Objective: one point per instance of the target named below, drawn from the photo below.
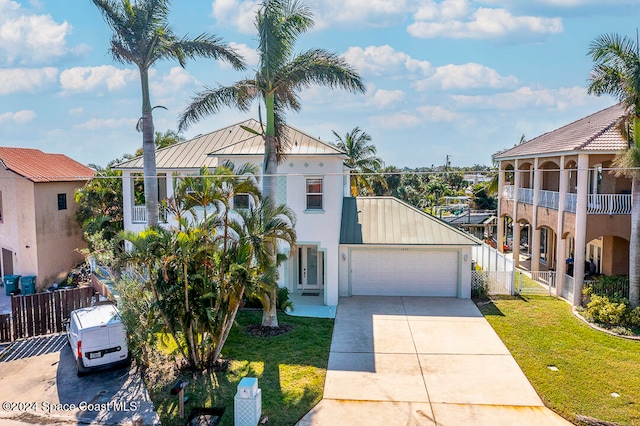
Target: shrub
(611, 313)
(283, 302)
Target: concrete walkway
(422, 361)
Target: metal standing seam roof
(203, 150)
(39, 167)
(596, 132)
(390, 221)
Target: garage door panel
(395, 272)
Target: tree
(142, 36)
(163, 140)
(616, 72)
(280, 76)
(361, 159)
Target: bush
(611, 313)
(283, 302)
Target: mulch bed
(259, 330)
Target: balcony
(139, 215)
(611, 204)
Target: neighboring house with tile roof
(571, 212)
(411, 250)
(38, 232)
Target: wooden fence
(42, 313)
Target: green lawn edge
(598, 375)
(291, 370)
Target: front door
(310, 268)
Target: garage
(390, 248)
(404, 272)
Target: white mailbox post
(247, 404)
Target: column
(535, 232)
(581, 227)
(500, 236)
(561, 247)
(516, 224)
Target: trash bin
(11, 284)
(28, 285)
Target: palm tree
(280, 76)
(266, 226)
(616, 72)
(142, 36)
(362, 159)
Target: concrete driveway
(38, 384)
(422, 361)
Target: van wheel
(81, 370)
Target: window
(241, 202)
(314, 194)
(62, 201)
(1, 220)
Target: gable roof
(596, 132)
(38, 166)
(388, 220)
(229, 141)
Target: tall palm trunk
(634, 243)
(149, 154)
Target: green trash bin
(28, 285)
(11, 284)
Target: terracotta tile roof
(229, 141)
(596, 132)
(38, 166)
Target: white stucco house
(346, 246)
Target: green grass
(542, 331)
(290, 368)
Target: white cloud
(76, 111)
(27, 38)
(467, 76)
(19, 80)
(527, 97)
(108, 123)
(437, 113)
(86, 79)
(249, 54)
(384, 60)
(459, 19)
(387, 98)
(19, 117)
(400, 120)
(240, 14)
(174, 82)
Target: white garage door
(397, 272)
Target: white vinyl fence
(496, 275)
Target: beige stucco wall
(17, 230)
(58, 234)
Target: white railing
(609, 204)
(568, 284)
(525, 195)
(571, 200)
(139, 215)
(549, 199)
(508, 192)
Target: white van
(97, 338)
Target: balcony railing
(611, 204)
(139, 215)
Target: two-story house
(38, 231)
(346, 246)
(562, 202)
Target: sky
(457, 78)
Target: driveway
(422, 361)
(38, 384)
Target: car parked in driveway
(97, 338)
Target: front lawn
(598, 375)
(290, 368)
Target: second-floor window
(1, 220)
(241, 202)
(62, 201)
(314, 193)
